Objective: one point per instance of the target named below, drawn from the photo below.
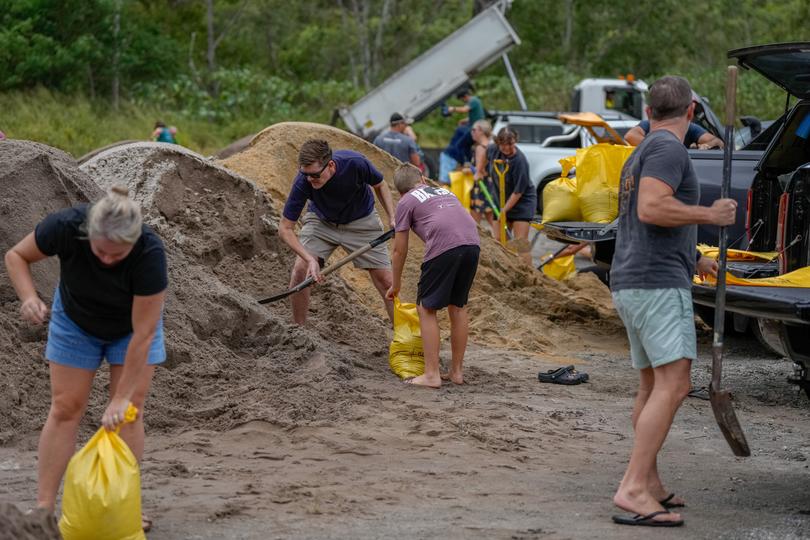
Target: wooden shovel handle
(731, 96)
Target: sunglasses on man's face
(316, 175)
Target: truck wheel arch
(541, 184)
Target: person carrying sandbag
(108, 304)
(452, 248)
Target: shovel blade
(727, 421)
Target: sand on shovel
(511, 305)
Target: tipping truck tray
(421, 85)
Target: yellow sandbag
(406, 356)
(102, 498)
(798, 278)
(461, 183)
(560, 202)
(567, 163)
(560, 268)
(599, 169)
(737, 254)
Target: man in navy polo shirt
(338, 186)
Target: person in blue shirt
(457, 153)
(163, 133)
(696, 136)
(339, 186)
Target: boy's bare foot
(423, 380)
(453, 377)
(643, 503)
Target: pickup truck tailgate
(791, 304)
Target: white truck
(419, 87)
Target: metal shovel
(331, 268)
(721, 399)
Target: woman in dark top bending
(108, 304)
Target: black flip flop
(700, 393)
(564, 375)
(647, 521)
(666, 504)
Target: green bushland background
(276, 61)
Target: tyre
(767, 333)
(540, 186)
(706, 314)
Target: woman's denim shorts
(69, 345)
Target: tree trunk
(91, 83)
(211, 50)
(385, 14)
(569, 28)
(116, 60)
(348, 30)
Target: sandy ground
(501, 457)
(258, 429)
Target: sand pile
(230, 360)
(510, 306)
(34, 180)
(38, 525)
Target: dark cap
(396, 118)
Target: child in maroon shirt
(451, 260)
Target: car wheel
(767, 333)
(706, 314)
(540, 186)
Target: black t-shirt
(517, 180)
(99, 299)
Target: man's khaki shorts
(321, 238)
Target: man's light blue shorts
(69, 345)
(660, 325)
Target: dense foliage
(230, 67)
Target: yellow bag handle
(130, 415)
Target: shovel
(721, 399)
(552, 257)
(501, 167)
(331, 268)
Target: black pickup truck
(771, 181)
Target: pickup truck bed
(782, 303)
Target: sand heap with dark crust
(230, 359)
(510, 306)
(34, 180)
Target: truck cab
(610, 97)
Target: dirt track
(504, 457)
